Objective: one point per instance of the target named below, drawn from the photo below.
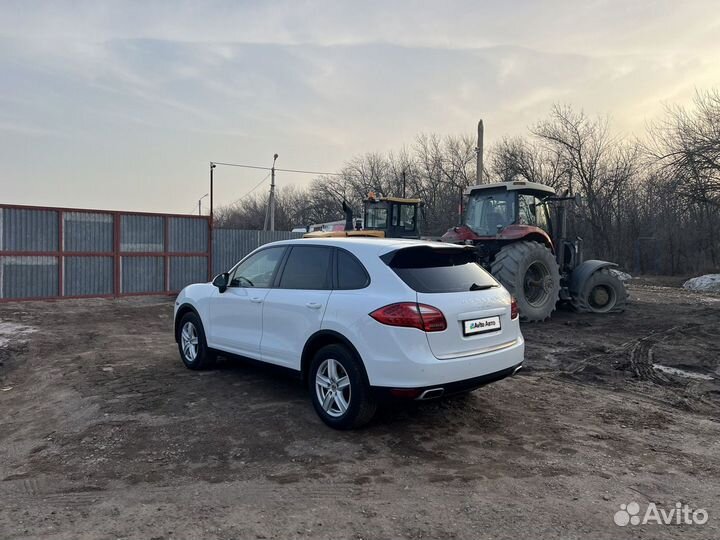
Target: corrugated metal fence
(71, 253)
(231, 245)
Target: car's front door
(294, 310)
(236, 314)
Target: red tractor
(519, 231)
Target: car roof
(363, 244)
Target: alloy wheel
(332, 386)
(189, 341)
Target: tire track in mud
(638, 354)
(636, 357)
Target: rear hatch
(476, 307)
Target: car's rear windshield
(439, 270)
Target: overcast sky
(121, 105)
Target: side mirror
(221, 281)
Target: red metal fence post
(60, 257)
(166, 253)
(209, 249)
(116, 254)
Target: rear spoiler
(388, 257)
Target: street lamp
(200, 205)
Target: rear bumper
(446, 389)
(393, 368)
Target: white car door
(294, 310)
(236, 314)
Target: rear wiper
(476, 287)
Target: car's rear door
(476, 307)
(294, 308)
(236, 314)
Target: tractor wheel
(529, 271)
(601, 293)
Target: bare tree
(597, 166)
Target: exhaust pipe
(516, 370)
(432, 393)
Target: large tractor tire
(529, 271)
(601, 293)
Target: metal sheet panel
(187, 235)
(28, 277)
(28, 230)
(87, 232)
(231, 245)
(87, 276)
(142, 233)
(187, 270)
(142, 274)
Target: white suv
(358, 319)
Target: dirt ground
(104, 434)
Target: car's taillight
(513, 309)
(411, 315)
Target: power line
(298, 171)
(253, 189)
(309, 172)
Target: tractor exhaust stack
(479, 152)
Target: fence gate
(74, 253)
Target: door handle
(256, 300)
(313, 305)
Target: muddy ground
(104, 434)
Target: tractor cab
(504, 212)
(396, 217)
(491, 208)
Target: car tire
(339, 389)
(192, 345)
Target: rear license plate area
(473, 327)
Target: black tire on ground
(601, 293)
(529, 264)
(360, 405)
(191, 327)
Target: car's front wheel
(339, 390)
(193, 348)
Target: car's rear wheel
(339, 389)
(194, 351)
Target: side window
(350, 272)
(258, 269)
(307, 267)
(526, 209)
(376, 218)
(407, 217)
(542, 217)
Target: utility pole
(270, 213)
(403, 191)
(212, 166)
(479, 151)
